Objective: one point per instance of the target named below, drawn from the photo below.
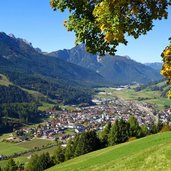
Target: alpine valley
(30, 78)
(60, 105)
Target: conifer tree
(35, 164)
(59, 155)
(119, 132)
(69, 152)
(134, 126)
(104, 134)
(11, 165)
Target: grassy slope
(35, 94)
(4, 80)
(149, 153)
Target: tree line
(25, 112)
(15, 114)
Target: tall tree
(144, 131)
(134, 126)
(11, 165)
(166, 69)
(59, 155)
(69, 151)
(119, 132)
(45, 160)
(35, 164)
(87, 142)
(104, 134)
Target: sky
(35, 21)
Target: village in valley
(64, 124)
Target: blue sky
(36, 22)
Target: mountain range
(115, 69)
(155, 65)
(28, 68)
(67, 75)
(18, 53)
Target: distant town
(64, 124)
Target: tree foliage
(105, 133)
(87, 142)
(119, 132)
(12, 94)
(134, 126)
(69, 150)
(35, 164)
(103, 24)
(11, 165)
(166, 69)
(40, 163)
(25, 112)
(59, 155)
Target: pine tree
(87, 142)
(134, 127)
(114, 133)
(123, 131)
(144, 131)
(119, 132)
(104, 134)
(59, 155)
(35, 163)
(11, 165)
(69, 152)
(45, 160)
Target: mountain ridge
(155, 65)
(115, 69)
(24, 56)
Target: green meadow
(145, 95)
(4, 80)
(12, 148)
(35, 143)
(9, 148)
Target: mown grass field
(152, 153)
(25, 158)
(11, 148)
(35, 143)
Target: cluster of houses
(95, 117)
